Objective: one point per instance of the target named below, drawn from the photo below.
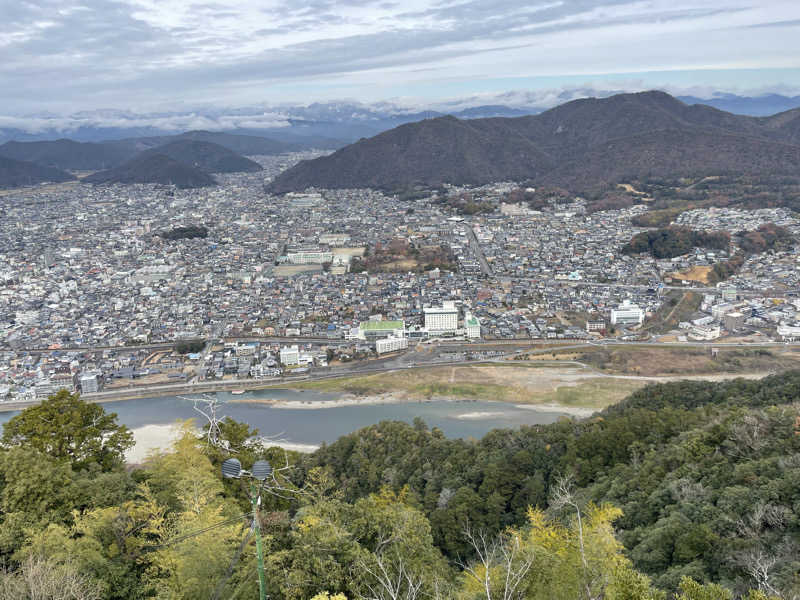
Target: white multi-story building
(245, 350)
(627, 314)
(334, 239)
(720, 310)
(304, 199)
(89, 383)
(442, 319)
(290, 355)
(704, 332)
(309, 257)
(595, 325)
(45, 388)
(391, 344)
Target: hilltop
(66, 154)
(154, 168)
(16, 173)
(241, 144)
(581, 144)
(432, 151)
(206, 156)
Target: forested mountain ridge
(67, 154)
(16, 173)
(154, 167)
(578, 145)
(692, 483)
(207, 156)
(239, 143)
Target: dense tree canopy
(669, 242)
(64, 426)
(686, 490)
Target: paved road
(478, 251)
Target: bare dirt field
(696, 273)
(289, 270)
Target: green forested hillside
(688, 490)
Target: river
(307, 427)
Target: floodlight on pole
(232, 469)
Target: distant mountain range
(16, 173)
(241, 144)
(91, 156)
(330, 125)
(578, 145)
(187, 161)
(67, 154)
(483, 142)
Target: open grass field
(648, 361)
(520, 384)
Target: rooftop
(381, 325)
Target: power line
(192, 534)
(236, 556)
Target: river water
(310, 426)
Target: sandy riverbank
(343, 400)
(400, 398)
(151, 438)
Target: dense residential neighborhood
(305, 278)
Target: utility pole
(255, 500)
(261, 470)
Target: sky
(65, 56)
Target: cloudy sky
(64, 55)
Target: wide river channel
(305, 425)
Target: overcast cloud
(63, 56)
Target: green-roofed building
(373, 330)
(472, 326)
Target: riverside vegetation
(687, 490)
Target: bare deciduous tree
(561, 496)
(759, 564)
(40, 579)
(390, 579)
(504, 554)
(759, 561)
